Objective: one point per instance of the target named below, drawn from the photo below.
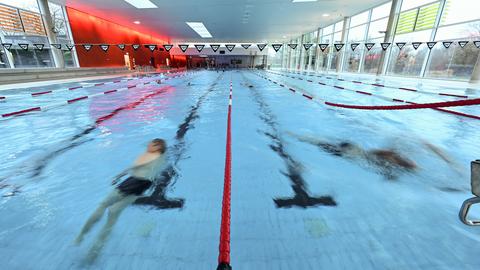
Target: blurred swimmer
(141, 176)
(387, 161)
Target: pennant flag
(276, 47)
(339, 46)
(199, 47)
(56, 46)
(152, 47)
(462, 43)
(323, 46)
(24, 46)
(385, 45)
(183, 47)
(246, 46)
(39, 46)
(400, 45)
(430, 45)
(261, 46)
(214, 47)
(416, 45)
(7, 46)
(104, 47)
(69, 46)
(369, 46)
(447, 44)
(121, 46)
(135, 46)
(354, 46)
(293, 46)
(168, 47)
(87, 47)
(307, 46)
(477, 44)
(230, 47)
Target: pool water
(295, 204)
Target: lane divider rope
(374, 84)
(70, 101)
(435, 106)
(224, 246)
(90, 85)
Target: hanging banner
(39, 46)
(385, 45)
(400, 45)
(151, 47)
(135, 46)
(292, 46)
(261, 46)
(277, 47)
(121, 46)
(246, 46)
(354, 46)
(431, 44)
(307, 46)
(87, 47)
(69, 46)
(7, 46)
(183, 47)
(477, 44)
(323, 46)
(24, 46)
(104, 47)
(369, 46)
(214, 47)
(339, 46)
(56, 46)
(447, 44)
(416, 45)
(230, 47)
(199, 47)
(462, 43)
(168, 47)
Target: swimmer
(141, 176)
(386, 160)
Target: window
(455, 62)
(409, 4)
(357, 33)
(328, 30)
(339, 26)
(359, 19)
(381, 11)
(408, 61)
(377, 29)
(30, 5)
(456, 11)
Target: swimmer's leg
(111, 199)
(113, 214)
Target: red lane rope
(413, 105)
(224, 247)
(22, 111)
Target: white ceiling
(227, 20)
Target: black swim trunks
(134, 186)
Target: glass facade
(21, 22)
(416, 21)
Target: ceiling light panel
(141, 3)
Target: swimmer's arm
(125, 172)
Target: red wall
(93, 30)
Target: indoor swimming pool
(313, 186)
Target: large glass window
(381, 11)
(408, 61)
(359, 19)
(456, 11)
(409, 4)
(353, 58)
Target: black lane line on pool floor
(302, 197)
(170, 175)
(45, 160)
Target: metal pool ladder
(463, 214)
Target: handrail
(475, 182)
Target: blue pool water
(294, 204)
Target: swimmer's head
(350, 149)
(157, 145)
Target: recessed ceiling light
(141, 3)
(136, 22)
(300, 1)
(326, 15)
(200, 29)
